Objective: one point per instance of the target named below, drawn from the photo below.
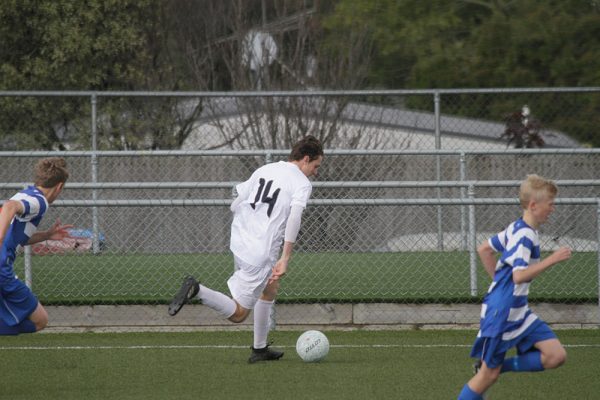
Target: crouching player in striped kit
(506, 320)
(20, 310)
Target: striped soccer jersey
(259, 220)
(22, 227)
(505, 310)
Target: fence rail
(331, 184)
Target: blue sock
(527, 362)
(468, 394)
(26, 326)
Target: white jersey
(259, 219)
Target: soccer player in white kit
(267, 214)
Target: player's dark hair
(51, 171)
(308, 146)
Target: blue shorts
(17, 302)
(493, 350)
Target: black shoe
(189, 289)
(264, 354)
(476, 367)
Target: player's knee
(239, 315)
(556, 358)
(41, 320)
(237, 319)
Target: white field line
(216, 346)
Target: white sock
(262, 310)
(219, 302)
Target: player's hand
(59, 231)
(279, 270)
(564, 253)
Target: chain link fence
(398, 249)
(412, 181)
(456, 119)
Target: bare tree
(270, 45)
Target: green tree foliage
(88, 45)
(195, 44)
(478, 43)
(61, 44)
(487, 43)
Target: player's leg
(245, 285)
(490, 353)
(25, 326)
(530, 361)
(20, 311)
(539, 349)
(223, 304)
(553, 354)
(481, 382)
(218, 301)
(262, 313)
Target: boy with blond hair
(20, 310)
(506, 319)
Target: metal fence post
(94, 161)
(28, 266)
(463, 215)
(472, 243)
(598, 253)
(438, 167)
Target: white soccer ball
(312, 346)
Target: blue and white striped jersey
(505, 310)
(21, 228)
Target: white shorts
(248, 282)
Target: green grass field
(212, 365)
(324, 277)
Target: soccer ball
(312, 346)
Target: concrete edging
(297, 316)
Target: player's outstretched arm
(527, 274)
(56, 232)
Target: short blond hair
(535, 187)
(50, 171)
